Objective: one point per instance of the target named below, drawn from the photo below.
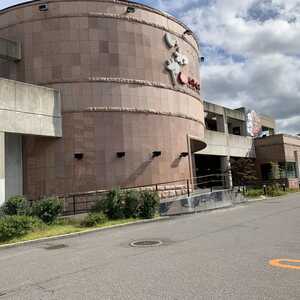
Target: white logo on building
(176, 63)
(253, 124)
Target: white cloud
(265, 37)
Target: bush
(131, 200)
(274, 191)
(17, 205)
(47, 209)
(129, 204)
(93, 219)
(112, 205)
(16, 226)
(100, 204)
(149, 204)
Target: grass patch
(293, 190)
(65, 226)
(271, 192)
(254, 193)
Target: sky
(252, 51)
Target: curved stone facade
(118, 93)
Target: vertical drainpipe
(2, 167)
(297, 160)
(190, 162)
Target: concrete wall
(224, 111)
(13, 165)
(29, 109)
(291, 144)
(267, 122)
(223, 144)
(278, 148)
(198, 202)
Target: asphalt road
(219, 255)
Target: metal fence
(77, 203)
(281, 183)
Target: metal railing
(281, 183)
(77, 203)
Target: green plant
(47, 209)
(131, 201)
(243, 171)
(254, 193)
(100, 204)
(112, 205)
(274, 191)
(149, 204)
(16, 226)
(17, 205)
(93, 219)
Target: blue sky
(252, 52)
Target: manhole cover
(55, 247)
(146, 243)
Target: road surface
(223, 254)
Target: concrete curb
(85, 232)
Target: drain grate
(146, 243)
(55, 247)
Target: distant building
(240, 133)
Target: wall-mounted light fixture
(188, 32)
(121, 154)
(156, 154)
(78, 156)
(184, 154)
(43, 7)
(130, 10)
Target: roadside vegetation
(20, 221)
(270, 191)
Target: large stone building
(110, 97)
(128, 76)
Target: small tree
(243, 170)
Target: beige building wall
(110, 67)
(278, 148)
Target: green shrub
(94, 219)
(132, 202)
(274, 191)
(100, 204)
(149, 204)
(112, 205)
(16, 226)
(47, 209)
(17, 205)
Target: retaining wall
(196, 203)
